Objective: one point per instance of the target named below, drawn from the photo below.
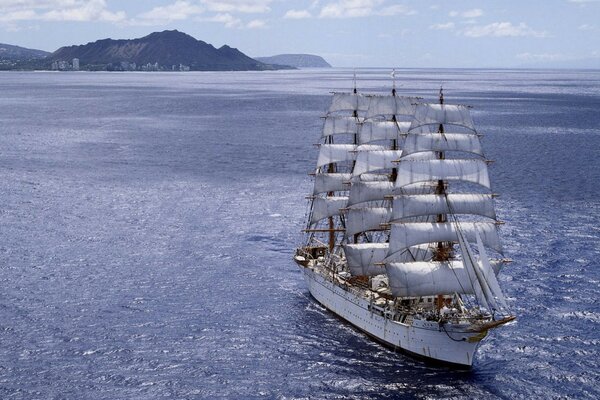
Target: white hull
(446, 344)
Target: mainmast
(444, 249)
(394, 173)
(331, 170)
(380, 138)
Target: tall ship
(402, 234)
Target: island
(169, 50)
(296, 60)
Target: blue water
(147, 223)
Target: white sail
(331, 182)
(324, 207)
(473, 271)
(489, 275)
(363, 257)
(368, 161)
(421, 252)
(464, 142)
(361, 192)
(333, 153)
(422, 129)
(371, 131)
(365, 219)
(415, 279)
(471, 170)
(348, 102)
(433, 204)
(388, 106)
(409, 234)
(374, 177)
(446, 114)
(335, 125)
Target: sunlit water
(147, 223)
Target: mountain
(296, 60)
(16, 53)
(162, 50)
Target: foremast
(337, 155)
(458, 213)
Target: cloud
(349, 8)
(473, 13)
(233, 22)
(542, 57)
(362, 8)
(238, 6)
(503, 29)
(228, 20)
(396, 10)
(297, 14)
(586, 27)
(180, 10)
(58, 10)
(256, 24)
(440, 27)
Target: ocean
(148, 220)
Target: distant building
(63, 65)
(151, 67)
(184, 68)
(76, 64)
(55, 66)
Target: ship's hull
(452, 345)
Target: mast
(355, 141)
(386, 123)
(331, 240)
(334, 166)
(443, 251)
(394, 141)
(431, 219)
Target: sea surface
(147, 224)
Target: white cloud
(473, 13)
(58, 10)
(228, 20)
(349, 8)
(256, 24)
(396, 10)
(542, 57)
(297, 14)
(239, 6)
(503, 29)
(177, 11)
(233, 22)
(440, 27)
(362, 8)
(586, 27)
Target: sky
(347, 33)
